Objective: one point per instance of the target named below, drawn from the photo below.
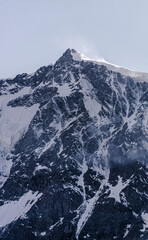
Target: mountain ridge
(81, 57)
(125, 71)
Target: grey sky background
(34, 33)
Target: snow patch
(14, 123)
(145, 219)
(5, 166)
(43, 234)
(64, 90)
(40, 167)
(91, 104)
(12, 211)
(84, 169)
(57, 223)
(127, 230)
(116, 190)
(14, 120)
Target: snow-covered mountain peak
(72, 54)
(73, 153)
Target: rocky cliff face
(74, 153)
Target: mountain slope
(73, 153)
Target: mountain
(74, 152)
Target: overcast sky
(34, 33)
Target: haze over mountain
(74, 152)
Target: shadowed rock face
(73, 153)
